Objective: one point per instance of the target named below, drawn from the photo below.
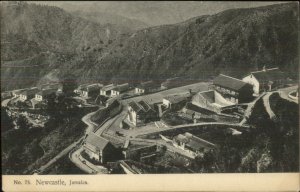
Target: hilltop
(127, 24)
(234, 42)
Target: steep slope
(156, 13)
(233, 42)
(36, 39)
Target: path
(155, 130)
(284, 93)
(84, 164)
(84, 102)
(57, 157)
(112, 124)
(169, 147)
(266, 101)
(75, 156)
(5, 102)
(91, 126)
(249, 109)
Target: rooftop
(268, 75)
(122, 87)
(145, 105)
(28, 92)
(197, 109)
(46, 92)
(92, 87)
(99, 143)
(148, 85)
(80, 87)
(229, 82)
(141, 105)
(208, 95)
(51, 86)
(173, 82)
(194, 142)
(108, 87)
(177, 98)
(19, 91)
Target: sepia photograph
(148, 87)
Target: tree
(22, 122)
(206, 162)
(69, 83)
(6, 121)
(51, 106)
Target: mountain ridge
(233, 42)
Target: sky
(156, 12)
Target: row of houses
(113, 90)
(38, 93)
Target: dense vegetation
(234, 42)
(269, 146)
(27, 148)
(276, 145)
(6, 121)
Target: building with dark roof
(41, 95)
(91, 90)
(107, 89)
(140, 113)
(192, 111)
(98, 148)
(119, 89)
(172, 101)
(265, 80)
(79, 89)
(17, 93)
(147, 87)
(53, 85)
(232, 89)
(188, 141)
(28, 94)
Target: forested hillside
(233, 42)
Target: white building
(172, 100)
(265, 80)
(140, 113)
(119, 89)
(98, 148)
(147, 87)
(91, 90)
(107, 89)
(41, 95)
(28, 94)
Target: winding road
(249, 109)
(266, 101)
(284, 93)
(5, 102)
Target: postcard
(150, 95)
